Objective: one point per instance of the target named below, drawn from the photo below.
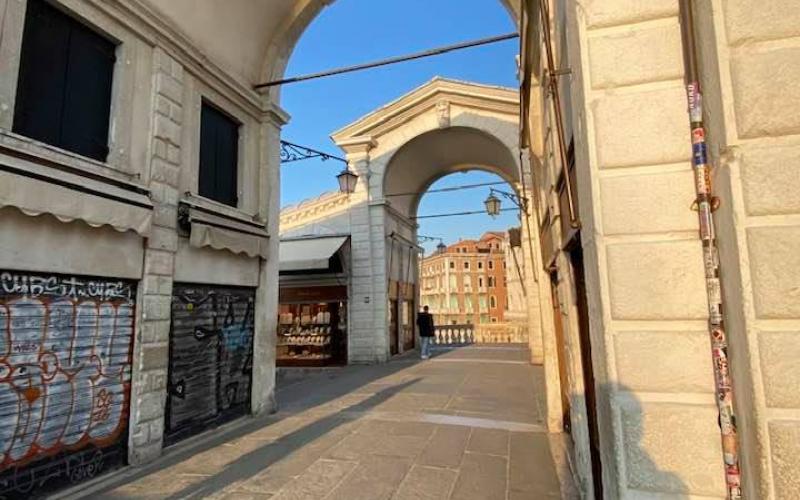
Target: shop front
(312, 313)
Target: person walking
(426, 332)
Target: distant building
(466, 282)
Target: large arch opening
(433, 155)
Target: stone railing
(494, 333)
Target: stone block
(779, 353)
(162, 171)
(658, 134)
(653, 203)
(163, 193)
(156, 307)
(660, 280)
(167, 130)
(159, 148)
(155, 331)
(174, 155)
(772, 19)
(140, 435)
(162, 238)
(766, 94)
(159, 262)
(165, 216)
(156, 285)
(785, 446)
(601, 13)
(154, 357)
(672, 448)
(664, 361)
(775, 271)
(771, 179)
(651, 53)
(169, 87)
(151, 406)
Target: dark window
(219, 156)
(64, 88)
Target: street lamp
(441, 247)
(493, 202)
(492, 205)
(347, 181)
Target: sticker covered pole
(705, 204)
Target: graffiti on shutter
(65, 371)
(211, 353)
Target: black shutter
(219, 152)
(87, 97)
(42, 73)
(208, 154)
(64, 88)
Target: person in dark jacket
(426, 331)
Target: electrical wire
(458, 214)
(392, 60)
(447, 189)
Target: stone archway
(439, 128)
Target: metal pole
(552, 79)
(392, 60)
(706, 203)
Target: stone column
(266, 313)
(366, 301)
(151, 347)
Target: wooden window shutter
(65, 79)
(219, 156)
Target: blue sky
(355, 31)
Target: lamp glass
(492, 205)
(347, 181)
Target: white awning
(309, 254)
(70, 198)
(221, 233)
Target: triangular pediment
(429, 98)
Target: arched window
(493, 302)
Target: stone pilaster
(151, 349)
(266, 313)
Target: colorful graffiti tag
(65, 365)
(211, 352)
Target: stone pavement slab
(465, 425)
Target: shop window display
(312, 334)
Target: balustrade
(494, 333)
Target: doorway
(561, 353)
(575, 252)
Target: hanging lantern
(492, 205)
(441, 247)
(347, 181)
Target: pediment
(436, 96)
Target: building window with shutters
(65, 77)
(219, 156)
(493, 302)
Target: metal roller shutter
(211, 352)
(65, 371)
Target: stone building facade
(115, 269)
(638, 349)
(466, 282)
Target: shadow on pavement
(250, 464)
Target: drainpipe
(705, 204)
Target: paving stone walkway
(466, 424)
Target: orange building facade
(466, 282)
